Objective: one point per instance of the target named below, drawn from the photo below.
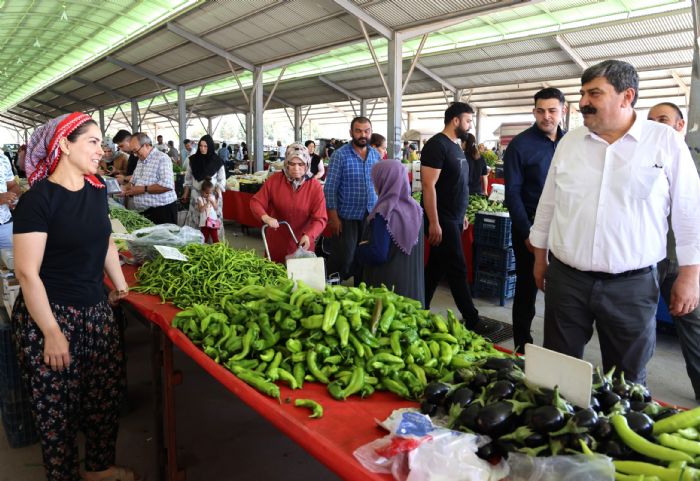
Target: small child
(207, 204)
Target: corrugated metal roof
(646, 28)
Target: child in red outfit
(209, 222)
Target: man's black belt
(604, 276)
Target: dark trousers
(447, 259)
(687, 327)
(623, 310)
(342, 257)
(525, 293)
(164, 214)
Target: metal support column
(182, 121)
(457, 96)
(477, 129)
(363, 108)
(692, 137)
(102, 121)
(249, 133)
(135, 124)
(258, 111)
(393, 137)
(210, 130)
(297, 124)
(567, 119)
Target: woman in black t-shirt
(66, 337)
(478, 173)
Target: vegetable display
(130, 219)
(479, 203)
(354, 339)
(212, 272)
(492, 397)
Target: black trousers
(525, 293)
(342, 257)
(623, 310)
(164, 214)
(447, 259)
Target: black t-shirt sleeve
(433, 154)
(32, 213)
(484, 169)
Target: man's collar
(635, 130)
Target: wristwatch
(145, 189)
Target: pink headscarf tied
(44, 152)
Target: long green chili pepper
(313, 367)
(643, 446)
(316, 408)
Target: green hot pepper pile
(646, 441)
(354, 339)
(480, 203)
(130, 219)
(212, 272)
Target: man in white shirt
(160, 145)
(603, 216)
(687, 326)
(9, 193)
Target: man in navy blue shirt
(350, 196)
(526, 163)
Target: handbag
(213, 223)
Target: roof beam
(32, 119)
(279, 100)
(436, 77)
(209, 46)
(340, 89)
(356, 11)
(50, 105)
(100, 86)
(72, 97)
(34, 111)
(681, 83)
(22, 123)
(141, 71)
(569, 50)
(224, 104)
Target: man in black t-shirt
(445, 177)
(122, 140)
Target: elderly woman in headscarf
(205, 164)
(64, 331)
(293, 197)
(391, 252)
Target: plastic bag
(300, 253)
(418, 451)
(164, 235)
(560, 468)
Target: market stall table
(345, 426)
(237, 208)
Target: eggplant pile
(492, 397)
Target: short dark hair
(187, 141)
(359, 120)
(308, 142)
(550, 93)
(456, 109)
(673, 106)
(121, 135)
(621, 75)
(143, 138)
(376, 140)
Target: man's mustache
(588, 110)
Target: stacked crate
(494, 258)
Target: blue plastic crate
(492, 230)
(18, 423)
(494, 285)
(495, 259)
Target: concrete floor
(220, 438)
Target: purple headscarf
(402, 213)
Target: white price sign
(171, 253)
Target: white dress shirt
(6, 175)
(604, 206)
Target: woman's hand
(270, 221)
(115, 296)
(56, 354)
(305, 242)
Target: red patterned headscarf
(44, 152)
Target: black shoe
(484, 327)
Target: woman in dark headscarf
(391, 252)
(204, 164)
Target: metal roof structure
(495, 53)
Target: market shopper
(688, 325)
(350, 197)
(160, 145)
(526, 162)
(445, 178)
(9, 193)
(205, 164)
(66, 337)
(293, 197)
(123, 140)
(391, 252)
(378, 142)
(317, 169)
(478, 172)
(151, 189)
(208, 205)
(602, 215)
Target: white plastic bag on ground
(560, 468)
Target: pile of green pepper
(354, 339)
(212, 272)
(131, 220)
